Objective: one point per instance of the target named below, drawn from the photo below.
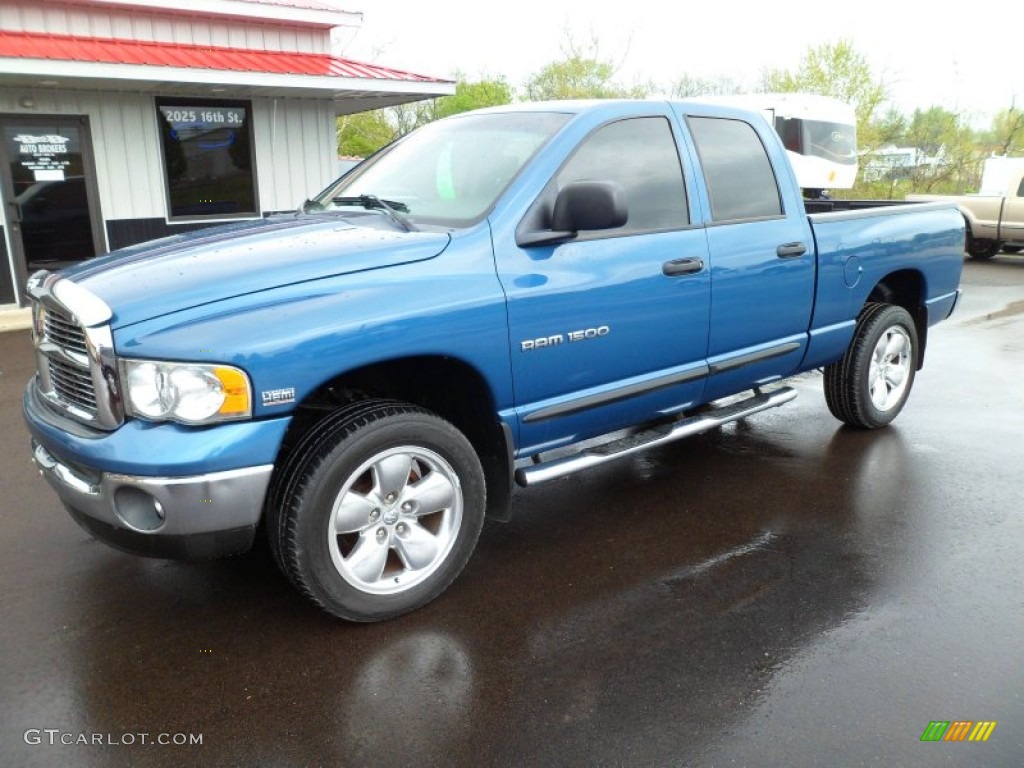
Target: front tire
(982, 248)
(870, 385)
(377, 510)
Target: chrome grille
(73, 386)
(67, 362)
(63, 332)
(75, 361)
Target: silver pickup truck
(994, 216)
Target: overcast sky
(963, 57)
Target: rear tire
(376, 510)
(870, 385)
(1013, 248)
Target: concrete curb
(15, 319)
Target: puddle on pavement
(1012, 309)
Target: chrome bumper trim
(64, 474)
(193, 504)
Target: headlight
(190, 393)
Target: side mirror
(589, 205)
(582, 205)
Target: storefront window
(208, 158)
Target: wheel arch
(970, 220)
(449, 387)
(971, 223)
(905, 288)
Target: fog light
(138, 510)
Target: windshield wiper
(391, 208)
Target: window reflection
(207, 152)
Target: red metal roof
(307, 5)
(31, 45)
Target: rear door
(761, 253)
(604, 331)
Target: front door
(611, 329)
(48, 188)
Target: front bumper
(162, 490)
(194, 517)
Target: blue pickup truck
(366, 379)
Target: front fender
(293, 339)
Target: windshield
(817, 138)
(833, 141)
(450, 172)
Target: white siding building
(126, 120)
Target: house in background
(127, 120)
(898, 163)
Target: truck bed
(829, 206)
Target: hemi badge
(278, 396)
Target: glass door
(49, 192)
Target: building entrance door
(48, 186)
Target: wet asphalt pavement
(780, 592)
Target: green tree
(950, 160)
(688, 87)
(836, 70)
(946, 156)
(581, 74)
(472, 95)
(890, 128)
(364, 133)
(1006, 136)
(930, 129)
(890, 131)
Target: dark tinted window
(739, 176)
(208, 162)
(789, 130)
(640, 154)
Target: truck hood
(164, 276)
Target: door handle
(790, 250)
(13, 212)
(686, 266)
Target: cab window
(740, 179)
(640, 154)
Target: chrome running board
(543, 471)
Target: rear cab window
(739, 176)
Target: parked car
(994, 216)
